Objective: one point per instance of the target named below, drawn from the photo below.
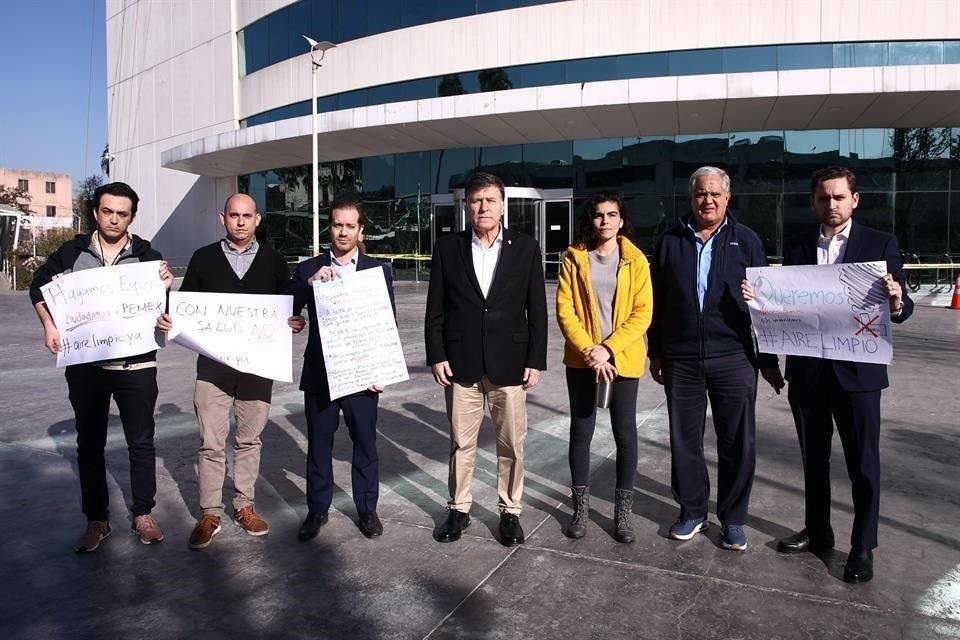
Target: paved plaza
(405, 585)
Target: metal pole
(316, 170)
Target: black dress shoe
(859, 567)
(369, 524)
(311, 525)
(803, 541)
(511, 533)
(451, 530)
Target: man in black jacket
(486, 340)
(132, 381)
(234, 264)
(823, 392)
(701, 346)
(347, 222)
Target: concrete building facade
(51, 194)
(561, 98)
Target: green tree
(83, 201)
(16, 198)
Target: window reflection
(652, 173)
(905, 53)
(863, 54)
(743, 59)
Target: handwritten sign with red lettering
(106, 313)
(248, 332)
(835, 312)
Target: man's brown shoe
(248, 520)
(147, 529)
(203, 533)
(96, 531)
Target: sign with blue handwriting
(245, 331)
(361, 344)
(835, 312)
(106, 313)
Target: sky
(46, 54)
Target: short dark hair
(118, 189)
(586, 235)
(832, 173)
(481, 180)
(349, 201)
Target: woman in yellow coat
(604, 306)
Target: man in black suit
(847, 392)
(347, 222)
(486, 340)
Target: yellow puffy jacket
(632, 309)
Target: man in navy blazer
(847, 392)
(486, 339)
(347, 222)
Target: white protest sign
(836, 312)
(361, 344)
(248, 332)
(106, 313)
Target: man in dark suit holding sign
(823, 392)
(486, 340)
(347, 222)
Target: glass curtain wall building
(909, 181)
(560, 98)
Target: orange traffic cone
(955, 303)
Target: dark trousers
(582, 391)
(135, 393)
(323, 418)
(857, 416)
(730, 383)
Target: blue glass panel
(922, 224)
(486, 6)
(592, 69)
(414, 12)
(597, 164)
(383, 15)
(323, 24)
(869, 154)
(804, 56)
(351, 20)
(278, 25)
(450, 168)
(298, 22)
(378, 177)
(744, 59)
(549, 164)
(685, 63)
(643, 65)
(448, 9)
(756, 161)
(537, 75)
(412, 174)
(922, 158)
(866, 54)
(648, 164)
(451, 85)
(691, 152)
(951, 52)
(903, 53)
(804, 153)
(254, 40)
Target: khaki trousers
(509, 413)
(218, 388)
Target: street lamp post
(322, 47)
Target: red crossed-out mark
(866, 326)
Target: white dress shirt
(485, 260)
(831, 251)
(347, 264)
